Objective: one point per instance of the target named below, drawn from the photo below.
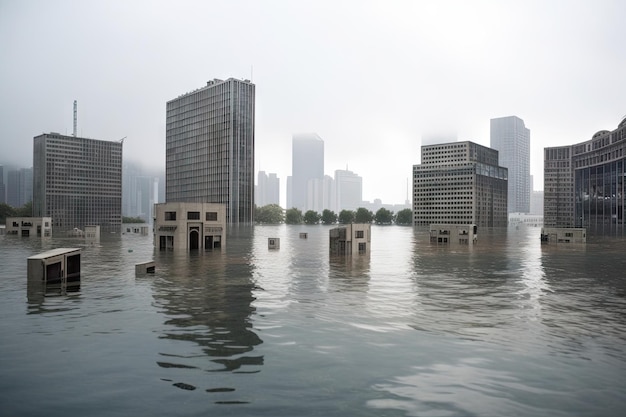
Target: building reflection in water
(207, 298)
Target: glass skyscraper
(511, 139)
(585, 183)
(210, 148)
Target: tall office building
(585, 183)
(307, 165)
(77, 182)
(19, 189)
(2, 189)
(460, 183)
(268, 189)
(511, 139)
(210, 148)
(348, 190)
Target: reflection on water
(507, 326)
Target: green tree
(25, 211)
(404, 217)
(329, 217)
(312, 217)
(6, 211)
(383, 216)
(363, 215)
(346, 216)
(293, 216)
(269, 214)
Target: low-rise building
(351, 239)
(453, 233)
(29, 226)
(564, 235)
(189, 226)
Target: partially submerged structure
(351, 239)
(189, 226)
(453, 233)
(29, 226)
(563, 235)
(56, 269)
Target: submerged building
(77, 182)
(189, 226)
(459, 183)
(584, 184)
(209, 156)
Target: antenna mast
(75, 116)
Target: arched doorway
(194, 239)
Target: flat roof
(54, 252)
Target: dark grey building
(77, 182)
(511, 138)
(585, 183)
(307, 166)
(19, 189)
(460, 183)
(209, 155)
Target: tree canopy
(404, 217)
(363, 215)
(269, 214)
(312, 217)
(383, 216)
(329, 217)
(9, 211)
(293, 216)
(346, 216)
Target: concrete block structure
(564, 235)
(55, 269)
(465, 234)
(351, 239)
(189, 226)
(29, 226)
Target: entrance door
(208, 242)
(194, 239)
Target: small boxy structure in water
(55, 269)
(273, 243)
(563, 235)
(351, 239)
(304, 235)
(145, 268)
(465, 234)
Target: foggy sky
(369, 77)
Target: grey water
(506, 327)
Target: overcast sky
(370, 77)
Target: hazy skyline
(369, 77)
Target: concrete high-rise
(2, 189)
(460, 183)
(210, 148)
(77, 182)
(19, 190)
(268, 189)
(348, 189)
(585, 184)
(307, 166)
(511, 138)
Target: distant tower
(307, 161)
(75, 117)
(511, 139)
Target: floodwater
(506, 327)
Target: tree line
(274, 214)
(9, 211)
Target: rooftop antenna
(75, 116)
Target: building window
(358, 234)
(211, 216)
(193, 215)
(170, 215)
